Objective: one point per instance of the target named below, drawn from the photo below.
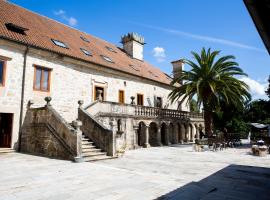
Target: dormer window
(15, 28)
(107, 58)
(134, 68)
(150, 72)
(86, 52)
(111, 49)
(59, 43)
(84, 39)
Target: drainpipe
(22, 96)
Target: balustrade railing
(166, 113)
(103, 107)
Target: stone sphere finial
(80, 102)
(77, 124)
(48, 100)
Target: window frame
(139, 94)
(42, 77)
(119, 97)
(95, 94)
(65, 46)
(86, 52)
(3, 73)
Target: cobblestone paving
(140, 174)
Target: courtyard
(161, 172)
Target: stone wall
(97, 132)
(45, 133)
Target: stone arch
(153, 136)
(164, 132)
(140, 139)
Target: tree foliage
(212, 81)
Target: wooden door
(121, 96)
(5, 129)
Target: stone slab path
(161, 172)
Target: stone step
(90, 150)
(92, 154)
(97, 158)
(88, 147)
(6, 150)
(87, 142)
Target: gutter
(22, 95)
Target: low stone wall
(97, 132)
(45, 132)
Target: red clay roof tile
(42, 29)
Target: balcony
(106, 108)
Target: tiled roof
(41, 30)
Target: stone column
(197, 133)
(146, 144)
(77, 124)
(159, 136)
(182, 133)
(187, 133)
(136, 135)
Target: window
(111, 49)
(84, 39)
(42, 79)
(99, 93)
(2, 72)
(121, 96)
(107, 58)
(159, 102)
(59, 43)
(150, 72)
(15, 28)
(86, 52)
(140, 99)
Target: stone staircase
(6, 150)
(90, 152)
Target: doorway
(6, 121)
(163, 134)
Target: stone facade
(136, 126)
(71, 80)
(46, 133)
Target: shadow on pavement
(235, 182)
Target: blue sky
(172, 29)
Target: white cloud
(202, 37)
(159, 54)
(257, 89)
(70, 20)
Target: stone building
(123, 100)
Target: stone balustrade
(105, 107)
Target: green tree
(193, 106)
(211, 80)
(268, 89)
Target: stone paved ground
(140, 174)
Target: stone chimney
(178, 67)
(133, 45)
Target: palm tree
(211, 81)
